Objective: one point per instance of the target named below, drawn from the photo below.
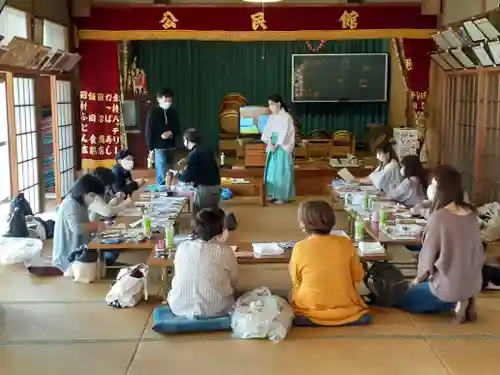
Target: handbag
(129, 287)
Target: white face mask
(431, 192)
(222, 238)
(165, 105)
(402, 171)
(128, 165)
(90, 198)
(273, 108)
(381, 157)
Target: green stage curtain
(202, 73)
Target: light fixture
(263, 1)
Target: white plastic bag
(19, 250)
(490, 221)
(83, 272)
(129, 287)
(259, 315)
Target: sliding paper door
(64, 147)
(26, 141)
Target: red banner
(416, 63)
(99, 103)
(249, 22)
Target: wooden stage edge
(310, 178)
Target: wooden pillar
(482, 90)
(11, 128)
(55, 137)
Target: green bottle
(359, 229)
(382, 217)
(366, 201)
(146, 223)
(169, 236)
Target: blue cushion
(164, 321)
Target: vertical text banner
(99, 104)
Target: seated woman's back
(324, 270)
(452, 254)
(206, 271)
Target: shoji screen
(65, 130)
(26, 140)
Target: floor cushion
(164, 321)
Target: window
(26, 140)
(4, 148)
(54, 35)
(13, 23)
(65, 128)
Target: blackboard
(360, 77)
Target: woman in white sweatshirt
(112, 203)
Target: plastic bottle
(359, 229)
(382, 217)
(366, 200)
(146, 222)
(169, 236)
(160, 248)
(222, 159)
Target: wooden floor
(54, 326)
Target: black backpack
(20, 202)
(17, 224)
(231, 222)
(386, 284)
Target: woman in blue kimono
(279, 135)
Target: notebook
(346, 176)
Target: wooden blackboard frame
(385, 99)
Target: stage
(311, 177)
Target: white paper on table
(263, 249)
(346, 176)
(370, 248)
(338, 232)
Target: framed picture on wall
(53, 59)
(39, 59)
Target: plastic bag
(81, 272)
(259, 315)
(19, 250)
(129, 288)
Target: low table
(236, 188)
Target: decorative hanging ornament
(316, 49)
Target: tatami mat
(53, 325)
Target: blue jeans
(419, 299)
(163, 162)
(302, 321)
(414, 247)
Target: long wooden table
(166, 264)
(148, 245)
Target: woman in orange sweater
(324, 269)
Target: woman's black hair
(106, 175)
(277, 98)
(387, 148)
(86, 184)
(413, 168)
(122, 154)
(192, 136)
(210, 223)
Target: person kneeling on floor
(450, 263)
(324, 269)
(206, 270)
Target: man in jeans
(162, 127)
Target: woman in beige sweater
(450, 263)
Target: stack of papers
(267, 249)
(370, 248)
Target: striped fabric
(205, 278)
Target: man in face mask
(162, 126)
(123, 178)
